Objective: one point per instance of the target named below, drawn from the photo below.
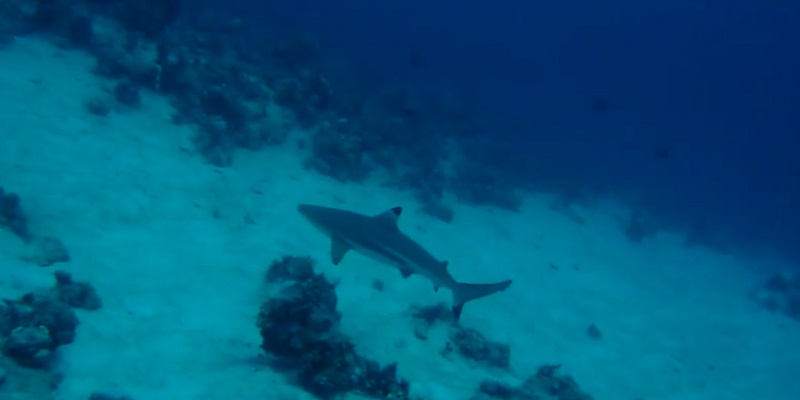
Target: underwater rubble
(300, 332)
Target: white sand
(181, 288)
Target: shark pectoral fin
(338, 249)
(390, 217)
(406, 272)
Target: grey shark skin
(379, 238)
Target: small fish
(379, 238)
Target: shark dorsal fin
(338, 249)
(390, 217)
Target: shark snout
(311, 213)
(305, 210)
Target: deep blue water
(713, 85)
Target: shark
(379, 238)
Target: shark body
(379, 238)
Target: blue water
(607, 184)
(713, 83)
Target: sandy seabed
(181, 286)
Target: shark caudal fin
(464, 292)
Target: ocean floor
(178, 249)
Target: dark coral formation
(300, 331)
(426, 317)
(44, 251)
(106, 396)
(594, 332)
(47, 251)
(76, 294)
(21, 382)
(546, 384)
(473, 345)
(13, 14)
(223, 90)
(339, 152)
(290, 269)
(780, 293)
(467, 342)
(34, 326)
(438, 210)
(149, 18)
(12, 216)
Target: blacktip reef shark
(379, 238)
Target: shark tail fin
(465, 292)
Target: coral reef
(241, 95)
(300, 331)
(339, 152)
(34, 327)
